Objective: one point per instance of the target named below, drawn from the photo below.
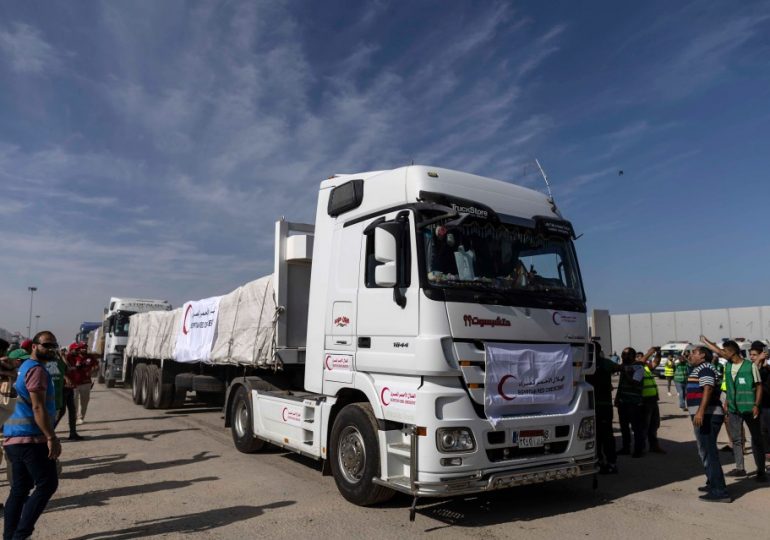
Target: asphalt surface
(143, 473)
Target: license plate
(532, 438)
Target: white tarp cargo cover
(244, 328)
(525, 378)
(195, 332)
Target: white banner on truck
(195, 335)
(523, 377)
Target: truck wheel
(162, 394)
(150, 374)
(355, 456)
(110, 383)
(136, 384)
(242, 422)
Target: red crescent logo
(500, 388)
(382, 396)
(283, 413)
(326, 362)
(555, 313)
(184, 321)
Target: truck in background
(115, 334)
(427, 335)
(85, 329)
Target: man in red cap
(81, 366)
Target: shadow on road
(104, 496)
(95, 460)
(186, 523)
(139, 435)
(138, 419)
(136, 465)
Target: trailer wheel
(242, 422)
(136, 384)
(100, 377)
(162, 394)
(355, 456)
(148, 378)
(110, 383)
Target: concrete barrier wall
(643, 330)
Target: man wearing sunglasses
(30, 443)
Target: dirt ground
(174, 474)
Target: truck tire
(136, 384)
(110, 383)
(208, 384)
(242, 422)
(148, 379)
(355, 456)
(161, 394)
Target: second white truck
(427, 334)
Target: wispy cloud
(27, 51)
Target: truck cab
(115, 330)
(421, 278)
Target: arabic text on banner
(195, 334)
(527, 378)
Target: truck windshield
(120, 324)
(513, 263)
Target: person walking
(681, 370)
(82, 366)
(68, 405)
(31, 445)
(706, 413)
(601, 380)
(668, 372)
(744, 399)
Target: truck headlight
(455, 439)
(586, 430)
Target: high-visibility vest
(740, 391)
(649, 386)
(22, 422)
(668, 369)
(681, 371)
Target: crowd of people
(43, 382)
(735, 393)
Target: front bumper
(490, 481)
(113, 367)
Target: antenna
(547, 185)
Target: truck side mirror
(385, 252)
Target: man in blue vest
(30, 442)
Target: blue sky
(146, 148)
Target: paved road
(176, 474)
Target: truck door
(340, 344)
(387, 324)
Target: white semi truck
(426, 335)
(115, 332)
